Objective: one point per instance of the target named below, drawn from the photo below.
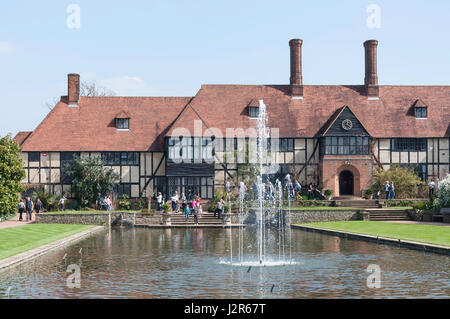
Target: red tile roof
(224, 106)
(90, 126)
(21, 137)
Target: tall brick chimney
(73, 88)
(296, 79)
(371, 78)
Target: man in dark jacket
(29, 207)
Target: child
(187, 212)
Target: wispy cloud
(6, 47)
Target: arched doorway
(346, 180)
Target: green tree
(90, 177)
(11, 174)
(407, 183)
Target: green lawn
(439, 235)
(15, 240)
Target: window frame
(123, 121)
(421, 112)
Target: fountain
(270, 232)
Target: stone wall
(312, 216)
(147, 219)
(309, 216)
(83, 219)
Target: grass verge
(438, 235)
(15, 240)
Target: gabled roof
(21, 137)
(334, 124)
(419, 103)
(91, 127)
(224, 106)
(122, 115)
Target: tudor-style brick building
(330, 135)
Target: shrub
(125, 203)
(444, 192)
(49, 200)
(165, 207)
(407, 183)
(369, 192)
(422, 205)
(328, 192)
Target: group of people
(103, 203)
(27, 206)
(293, 190)
(389, 189)
(187, 207)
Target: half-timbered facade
(330, 135)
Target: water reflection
(192, 263)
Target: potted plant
(328, 194)
(165, 207)
(369, 194)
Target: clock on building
(347, 124)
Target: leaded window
(409, 144)
(345, 145)
(123, 124)
(421, 112)
(253, 112)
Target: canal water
(195, 263)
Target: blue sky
(169, 48)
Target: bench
(437, 217)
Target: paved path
(14, 221)
(418, 223)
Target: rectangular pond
(194, 263)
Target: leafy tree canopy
(90, 177)
(11, 174)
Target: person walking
(174, 200)
(38, 206)
(21, 209)
(29, 208)
(61, 203)
(387, 189)
(310, 191)
(108, 202)
(298, 188)
(186, 212)
(159, 200)
(195, 211)
(392, 191)
(183, 201)
(219, 207)
(98, 201)
(431, 187)
(222, 207)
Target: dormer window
(122, 121)
(420, 110)
(253, 108)
(123, 124)
(253, 111)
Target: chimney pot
(371, 77)
(73, 88)
(296, 79)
